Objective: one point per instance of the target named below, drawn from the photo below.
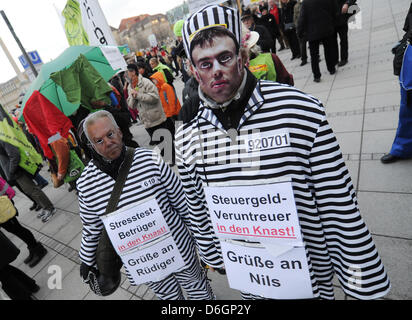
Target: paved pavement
(362, 103)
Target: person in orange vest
(170, 102)
(171, 105)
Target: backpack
(7, 209)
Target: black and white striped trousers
(193, 280)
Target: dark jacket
(265, 41)
(287, 12)
(399, 50)
(317, 19)
(9, 161)
(269, 22)
(191, 101)
(408, 25)
(342, 19)
(190, 89)
(111, 168)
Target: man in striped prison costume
(148, 176)
(210, 149)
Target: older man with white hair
(149, 227)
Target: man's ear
(244, 56)
(241, 61)
(194, 72)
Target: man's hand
(134, 93)
(345, 8)
(84, 272)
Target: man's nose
(217, 69)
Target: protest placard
(263, 212)
(153, 262)
(135, 225)
(255, 270)
(114, 57)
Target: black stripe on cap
(205, 18)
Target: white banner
(255, 270)
(95, 24)
(154, 262)
(114, 57)
(260, 213)
(135, 225)
(84, 23)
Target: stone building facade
(10, 92)
(135, 31)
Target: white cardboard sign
(154, 262)
(114, 57)
(257, 271)
(261, 213)
(135, 225)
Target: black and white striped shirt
(95, 188)
(336, 238)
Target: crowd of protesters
(298, 24)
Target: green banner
(73, 26)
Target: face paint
(218, 69)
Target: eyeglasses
(111, 135)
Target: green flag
(82, 83)
(73, 26)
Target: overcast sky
(38, 27)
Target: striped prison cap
(209, 17)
